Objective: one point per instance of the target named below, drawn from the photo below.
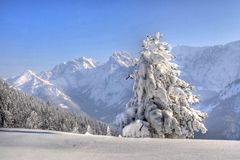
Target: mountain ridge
(101, 90)
(30, 83)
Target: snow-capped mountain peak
(122, 58)
(74, 65)
(29, 72)
(86, 63)
(28, 77)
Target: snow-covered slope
(30, 83)
(224, 118)
(38, 144)
(230, 90)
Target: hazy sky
(38, 34)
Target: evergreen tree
(76, 128)
(162, 102)
(89, 130)
(33, 121)
(109, 132)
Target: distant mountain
(224, 118)
(215, 72)
(209, 68)
(67, 74)
(30, 83)
(102, 91)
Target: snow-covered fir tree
(33, 121)
(76, 128)
(162, 102)
(109, 132)
(89, 130)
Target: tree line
(17, 110)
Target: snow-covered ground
(23, 144)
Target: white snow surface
(25, 144)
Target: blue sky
(38, 34)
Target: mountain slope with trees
(17, 110)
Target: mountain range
(102, 91)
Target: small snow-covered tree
(161, 106)
(75, 128)
(8, 119)
(33, 121)
(89, 130)
(109, 132)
